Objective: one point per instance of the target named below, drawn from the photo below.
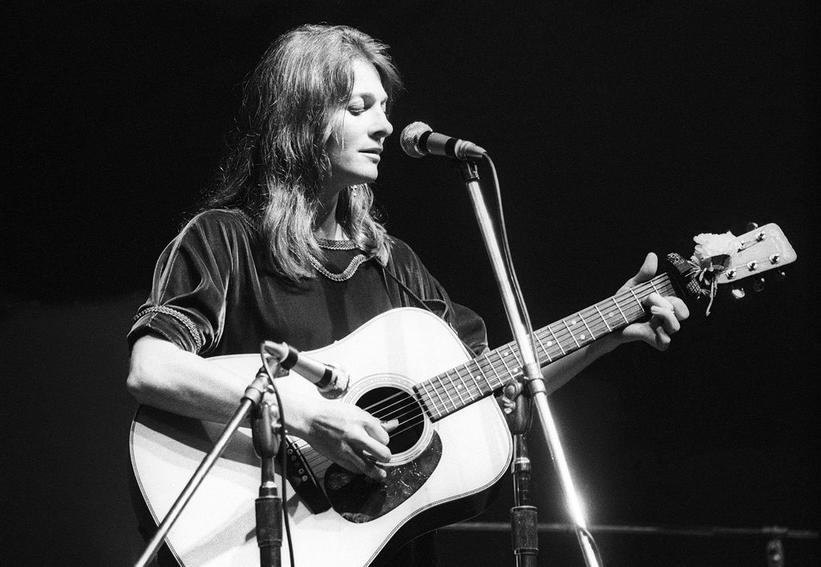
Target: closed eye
(360, 104)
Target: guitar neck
(461, 386)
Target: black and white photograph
(410, 284)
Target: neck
(485, 374)
(327, 226)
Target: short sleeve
(188, 292)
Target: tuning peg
(758, 284)
(751, 226)
(780, 275)
(738, 293)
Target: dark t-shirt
(215, 292)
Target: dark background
(617, 128)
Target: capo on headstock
(727, 259)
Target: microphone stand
(523, 515)
(268, 506)
(524, 520)
(254, 397)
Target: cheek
(335, 134)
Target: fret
(516, 357)
(636, 297)
(606, 324)
(653, 284)
(438, 395)
(447, 393)
(470, 389)
(592, 335)
(502, 358)
(458, 386)
(430, 403)
(571, 332)
(474, 389)
(475, 381)
(464, 385)
(493, 367)
(541, 345)
(481, 371)
(616, 303)
(556, 340)
(509, 350)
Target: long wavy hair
(277, 159)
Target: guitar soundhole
(388, 403)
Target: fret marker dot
(581, 336)
(549, 343)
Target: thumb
(647, 270)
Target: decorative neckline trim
(329, 244)
(345, 274)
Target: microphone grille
(409, 139)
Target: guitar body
(441, 474)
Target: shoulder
(211, 219)
(214, 234)
(405, 264)
(218, 225)
(401, 253)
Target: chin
(356, 176)
(368, 176)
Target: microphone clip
(330, 381)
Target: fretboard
(470, 382)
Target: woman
(287, 249)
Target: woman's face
(359, 131)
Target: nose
(382, 127)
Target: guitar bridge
(303, 481)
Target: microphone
(329, 380)
(418, 140)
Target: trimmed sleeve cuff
(170, 323)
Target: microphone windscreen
(409, 139)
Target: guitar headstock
(726, 259)
(760, 250)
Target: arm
(665, 316)
(164, 376)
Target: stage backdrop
(617, 128)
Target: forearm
(164, 376)
(559, 373)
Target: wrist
(298, 417)
(608, 343)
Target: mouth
(372, 152)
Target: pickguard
(360, 499)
